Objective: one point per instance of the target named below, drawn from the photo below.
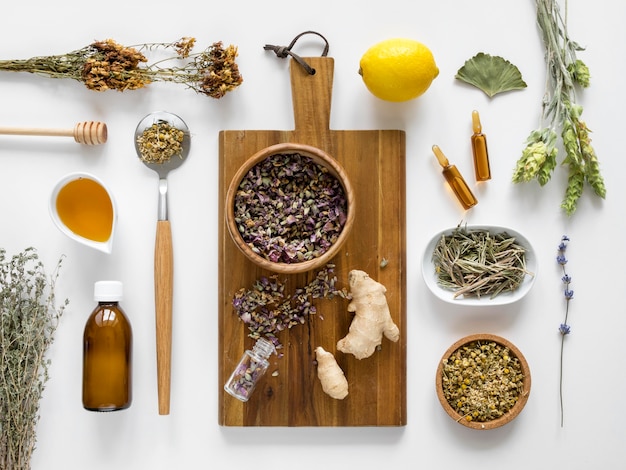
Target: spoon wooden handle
(87, 132)
(163, 287)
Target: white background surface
(71, 438)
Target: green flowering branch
(560, 113)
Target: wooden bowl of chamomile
(483, 381)
(290, 208)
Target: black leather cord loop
(283, 52)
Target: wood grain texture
(375, 163)
(163, 288)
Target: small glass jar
(250, 369)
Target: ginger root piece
(372, 317)
(331, 376)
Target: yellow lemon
(398, 69)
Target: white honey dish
(103, 246)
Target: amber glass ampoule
(455, 180)
(479, 150)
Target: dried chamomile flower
(160, 142)
(482, 380)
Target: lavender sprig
(568, 293)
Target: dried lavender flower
(290, 209)
(568, 293)
(267, 309)
(28, 321)
(107, 65)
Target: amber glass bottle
(479, 150)
(107, 352)
(455, 180)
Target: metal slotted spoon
(163, 254)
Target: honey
(85, 208)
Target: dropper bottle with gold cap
(455, 180)
(479, 150)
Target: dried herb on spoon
(478, 263)
(160, 142)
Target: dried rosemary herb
(160, 142)
(477, 263)
(28, 320)
(482, 381)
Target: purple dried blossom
(290, 209)
(267, 310)
(564, 328)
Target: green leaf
(491, 74)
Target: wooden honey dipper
(88, 132)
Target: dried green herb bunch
(107, 65)
(560, 113)
(482, 380)
(28, 320)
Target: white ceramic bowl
(104, 246)
(447, 295)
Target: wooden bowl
(319, 157)
(513, 411)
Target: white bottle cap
(108, 291)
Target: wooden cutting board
(290, 393)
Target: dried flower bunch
(561, 113)
(478, 263)
(28, 320)
(160, 142)
(568, 293)
(267, 309)
(482, 380)
(290, 209)
(107, 65)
